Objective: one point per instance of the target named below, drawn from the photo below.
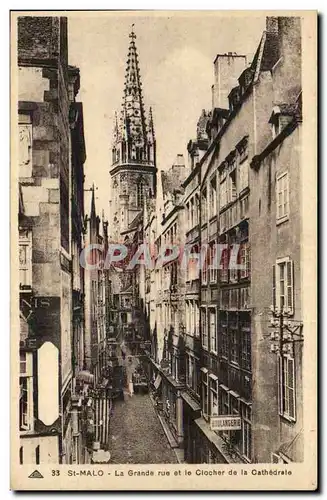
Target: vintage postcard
(163, 250)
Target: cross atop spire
(132, 34)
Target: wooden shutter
(280, 385)
(289, 285)
(291, 387)
(274, 286)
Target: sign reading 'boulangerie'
(225, 423)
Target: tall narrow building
(133, 171)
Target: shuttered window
(283, 285)
(282, 196)
(287, 402)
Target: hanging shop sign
(225, 423)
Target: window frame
(288, 284)
(281, 217)
(25, 240)
(212, 310)
(204, 327)
(205, 388)
(213, 388)
(285, 391)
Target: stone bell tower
(133, 170)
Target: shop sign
(225, 423)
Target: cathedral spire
(93, 212)
(132, 119)
(151, 126)
(133, 137)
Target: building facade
(241, 364)
(51, 158)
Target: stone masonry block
(50, 183)
(40, 157)
(54, 195)
(43, 133)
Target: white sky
(176, 57)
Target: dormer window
(275, 122)
(234, 98)
(281, 116)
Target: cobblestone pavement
(136, 435)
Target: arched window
(140, 193)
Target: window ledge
(281, 220)
(287, 418)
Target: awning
(157, 382)
(85, 376)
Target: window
(233, 301)
(191, 214)
(234, 338)
(224, 265)
(223, 336)
(192, 374)
(232, 192)
(246, 347)
(204, 208)
(204, 263)
(282, 194)
(224, 299)
(245, 298)
(233, 273)
(196, 207)
(213, 265)
(223, 193)
(244, 207)
(175, 372)
(26, 392)
(243, 175)
(213, 198)
(191, 313)
(245, 260)
(246, 430)
(283, 288)
(205, 395)
(140, 194)
(286, 387)
(213, 395)
(213, 330)
(204, 327)
(25, 260)
(25, 145)
(187, 317)
(197, 319)
(222, 222)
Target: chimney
(272, 24)
(227, 68)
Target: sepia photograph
(163, 185)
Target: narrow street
(136, 436)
